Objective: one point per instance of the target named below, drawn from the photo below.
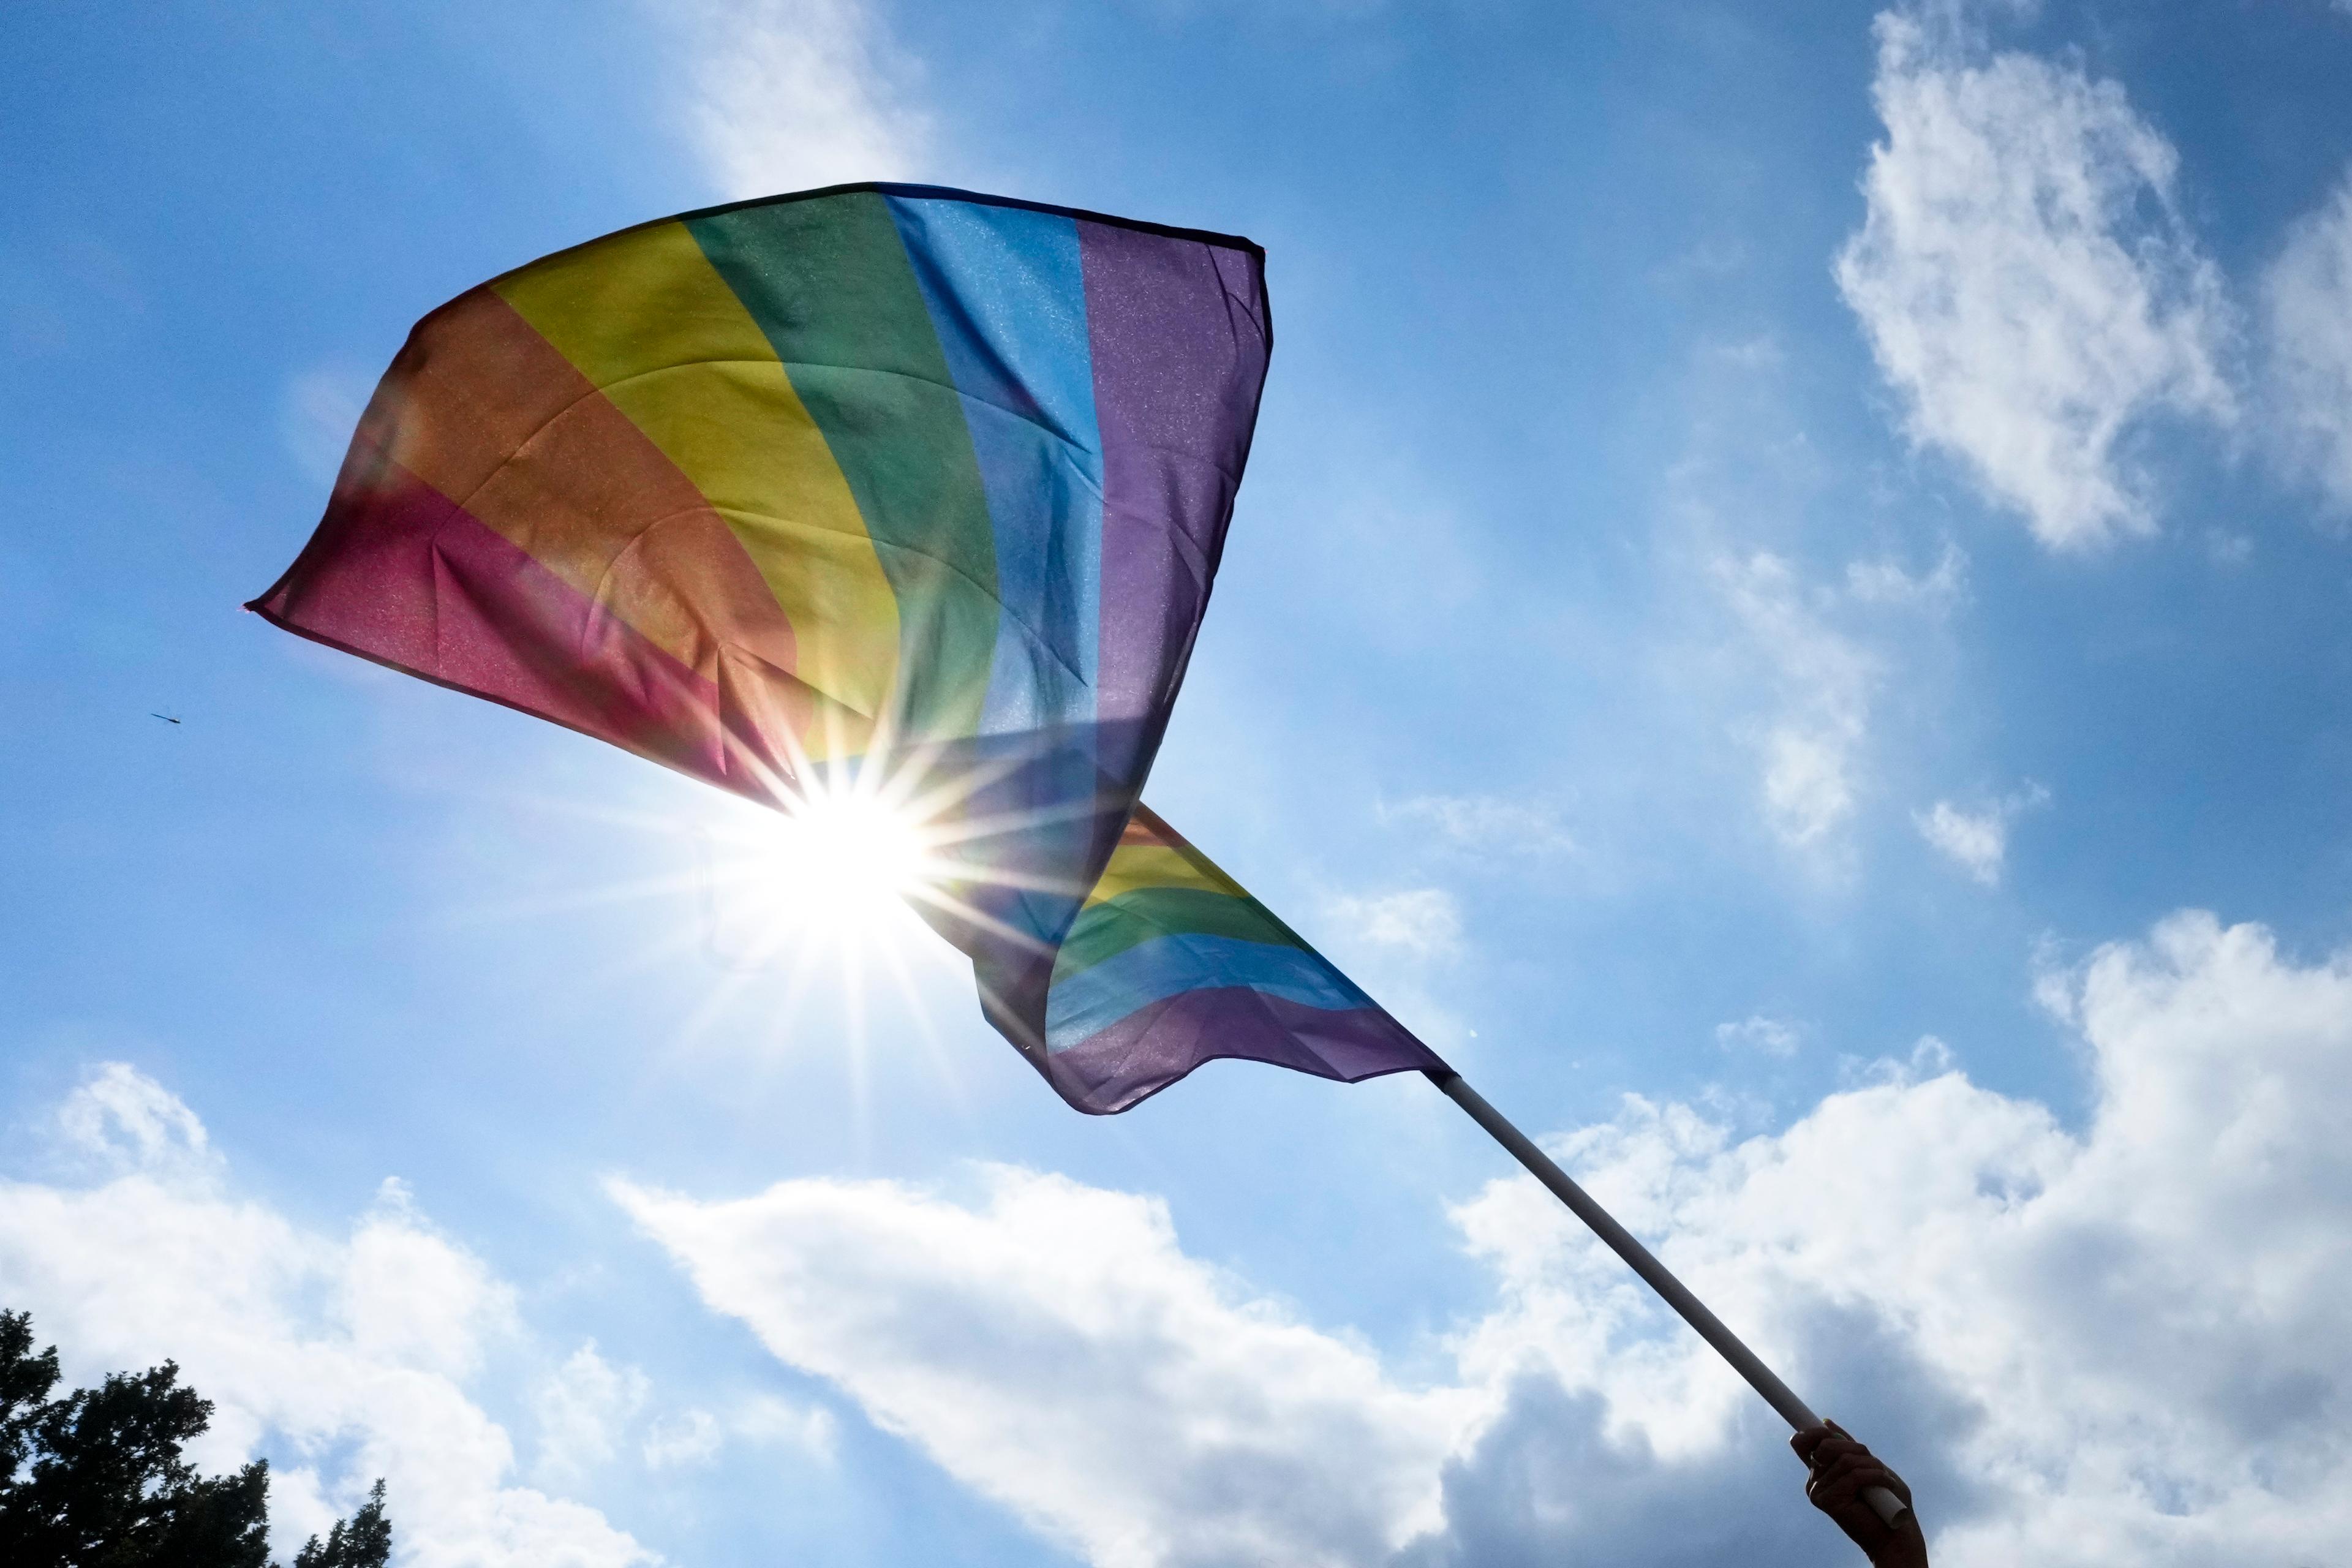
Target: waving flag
(880, 476)
(885, 477)
(1171, 964)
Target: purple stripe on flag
(1153, 1047)
(1180, 343)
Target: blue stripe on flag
(1101, 994)
(1007, 297)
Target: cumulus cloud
(1423, 923)
(1887, 582)
(1806, 789)
(582, 1409)
(2133, 1336)
(766, 1419)
(126, 1121)
(2023, 278)
(1397, 945)
(350, 1350)
(1053, 1347)
(2118, 1345)
(1482, 824)
(1770, 1036)
(695, 1436)
(1825, 678)
(1977, 841)
(690, 1438)
(1822, 651)
(786, 95)
(2308, 320)
(1974, 841)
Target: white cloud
(1823, 651)
(1396, 944)
(1930, 1057)
(766, 1419)
(2127, 1345)
(1771, 1037)
(2134, 1338)
(348, 1351)
(1886, 582)
(408, 1296)
(2307, 318)
(788, 95)
(1977, 841)
(1482, 824)
(127, 1121)
(1423, 923)
(1806, 789)
(1053, 1347)
(1825, 678)
(2023, 278)
(695, 1436)
(582, 1409)
(690, 1438)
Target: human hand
(1840, 1468)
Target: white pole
(1761, 1378)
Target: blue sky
(1789, 612)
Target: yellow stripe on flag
(1134, 866)
(647, 319)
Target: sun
(834, 867)
(847, 849)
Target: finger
(1806, 1440)
(1843, 1465)
(1860, 1461)
(1830, 1450)
(1850, 1472)
(1852, 1465)
(1842, 1501)
(1846, 1480)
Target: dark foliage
(95, 1479)
(362, 1541)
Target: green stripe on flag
(829, 283)
(1111, 928)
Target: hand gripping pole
(1778, 1395)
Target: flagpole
(1656, 1275)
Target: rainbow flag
(1171, 964)
(878, 475)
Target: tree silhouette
(362, 1541)
(95, 1479)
